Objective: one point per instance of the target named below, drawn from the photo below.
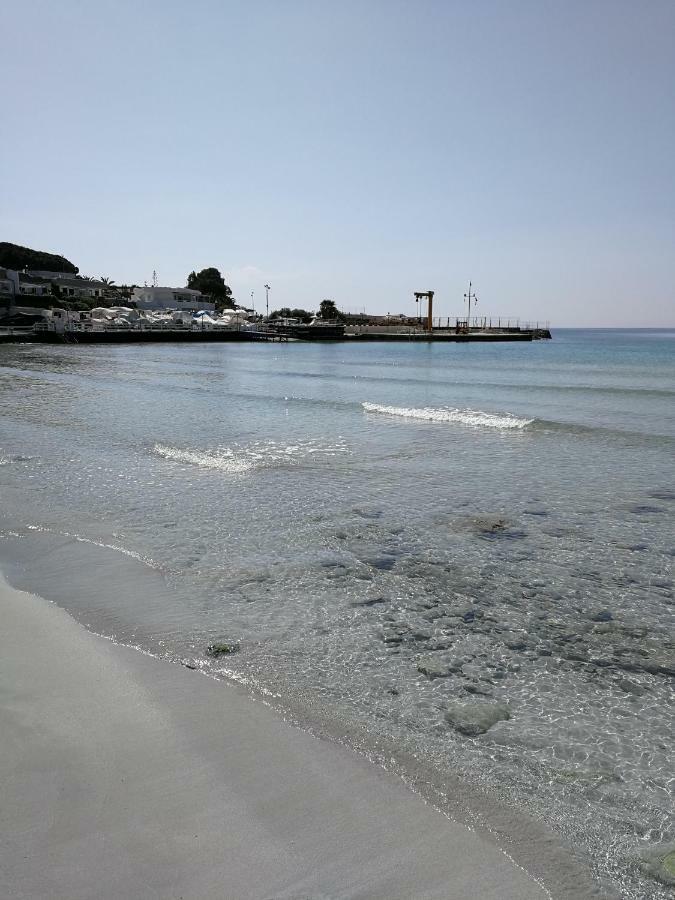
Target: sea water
(384, 530)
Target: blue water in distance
(349, 513)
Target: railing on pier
(489, 323)
(384, 328)
(151, 326)
(448, 323)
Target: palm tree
(106, 280)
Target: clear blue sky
(353, 149)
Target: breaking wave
(239, 460)
(475, 417)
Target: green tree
(211, 282)
(328, 310)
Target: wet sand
(126, 776)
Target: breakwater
(444, 337)
(303, 333)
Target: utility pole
(267, 301)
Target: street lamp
(253, 302)
(267, 301)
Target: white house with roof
(28, 285)
(39, 284)
(78, 288)
(170, 298)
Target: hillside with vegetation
(14, 256)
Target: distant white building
(170, 298)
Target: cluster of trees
(211, 282)
(327, 310)
(14, 256)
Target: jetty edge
(330, 331)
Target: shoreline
(114, 762)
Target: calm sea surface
(502, 517)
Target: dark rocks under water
(223, 648)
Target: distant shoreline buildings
(48, 292)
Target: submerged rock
(378, 558)
(368, 512)
(395, 633)
(434, 668)
(490, 524)
(219, 648)
(467, 612)
(600, 615)
(473, 687)
(515, 641)
(368, 601)
(492, 527)
(474, 717)
(659, 862)
(655, 665)
(631, 687)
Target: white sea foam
(474, 417)
(85, 540)
(238, 460)
(223, 459)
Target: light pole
(253, 302)
(267, 301)
(469, 297)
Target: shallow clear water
(349, 513)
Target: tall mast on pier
(469, 297)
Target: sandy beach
(125, 776)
